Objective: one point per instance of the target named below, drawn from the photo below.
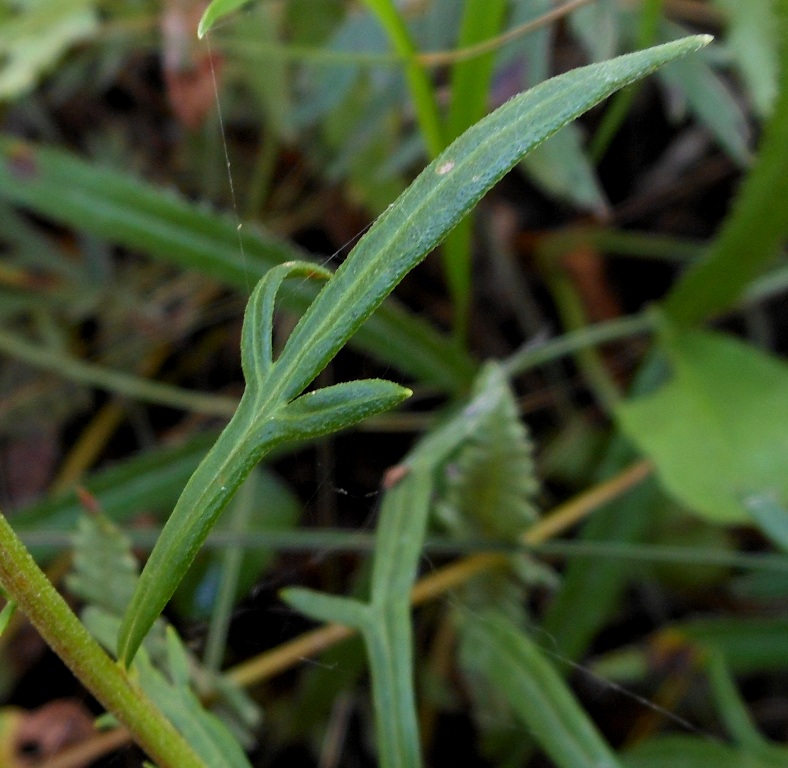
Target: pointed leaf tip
(215, 11)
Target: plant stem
(444, 579)
(65, 634)
(530, 356)
(115, 381)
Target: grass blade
(536, 692)
(754, 229)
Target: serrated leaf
(718, 430)
(104, 575)
(104, 571)
(491, 481)
(209, 737)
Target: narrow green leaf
(732, 709)
(398, 241)
(385, 621)
(561, 167)
(226, 577)
(333, 408)
(444, 192)
(471, 78)
(257, 346)
(400, 535)
(596, 25)
(690, 752)
(470, 88)
(718, 431)
(104, 575)
(268, 508)
(215, 11)
(328, 608)
(756, 226)
(537, 693)
(752, 35)
(711, 101)
(419, 85)
(263, 420)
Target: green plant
(473, 471)
(272, 411)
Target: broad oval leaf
(718, 431)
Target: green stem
(530, 356)
(730, 706)
(64, 633)
(114, 381)
(589, 360)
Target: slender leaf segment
(401, 238)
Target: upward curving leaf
(401, 238)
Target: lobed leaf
(396, 243)
(444, 193)
(384, 621)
